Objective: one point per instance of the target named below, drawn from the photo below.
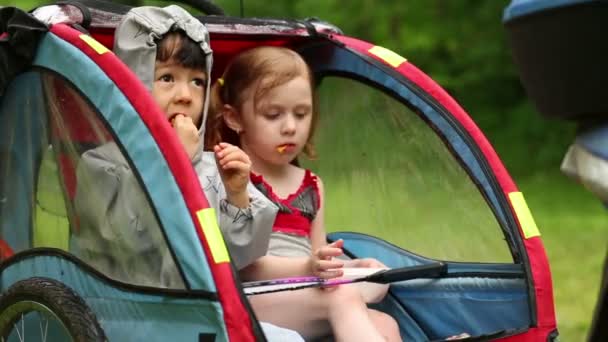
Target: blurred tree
(461, 45)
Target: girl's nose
(289, 124)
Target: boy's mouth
(286, 148)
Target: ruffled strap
(256, 179)
(310, 179)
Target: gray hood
(136, 36)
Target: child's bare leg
(303, 310)
(308, 311)
(386, 325)
(350, 318)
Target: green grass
(24, 4)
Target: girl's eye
(166, 78)
(302, 115)
(272, 115)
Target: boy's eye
(166, 78)
(199, 82)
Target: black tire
(49, 296)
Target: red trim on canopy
(104, 35)
(236, 317)
(539, 264)
(5, 250)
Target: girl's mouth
(285, 148)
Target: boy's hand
(321, 263)
(234, 167)
(187, 133)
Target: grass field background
(402, 185)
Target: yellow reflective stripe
(387, 55)
(524, 216)
(97, 46)
(207, 219)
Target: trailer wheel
(43, 309)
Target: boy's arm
(234, 167)
(246, 231)
(109, 200)
(117, 224)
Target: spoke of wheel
(17, 329)
(46, 326)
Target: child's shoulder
(310, 178)
(302, 173)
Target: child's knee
(386, 324)
(372, 293)
(386, 320)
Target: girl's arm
(318, 237)
(321, 264)
(273, 267)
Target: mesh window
(67, 184)
(388, 174)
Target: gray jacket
(120, 235)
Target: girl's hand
(187, 133)
(366, 262)
(321, 263)
(234, 167)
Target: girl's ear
(232, 118)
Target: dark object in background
(560, 50)
(599, 331)
(133, 3)
(205, 6)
